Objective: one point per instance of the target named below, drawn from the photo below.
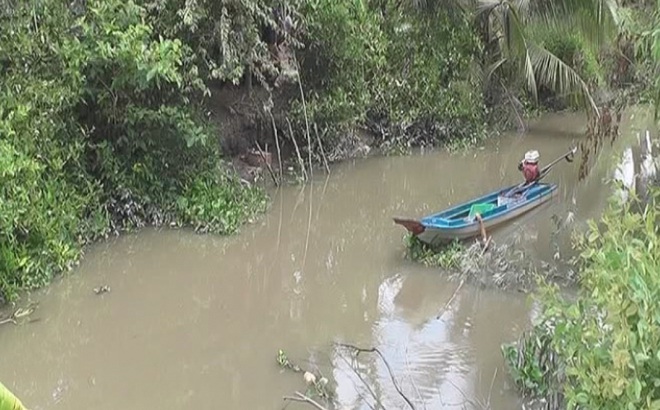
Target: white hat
(532, 156)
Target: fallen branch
(309, 376)
(369, 389)
(19, 313)
(490, 391)
(389, 369)
(486, 245)
(304, 399)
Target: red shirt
(530, 172)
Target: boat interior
(488, 205)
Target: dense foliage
(399, 71)
(603, 341)
(96, 135)
(227, 38)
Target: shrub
(606, 337)
(406, 70)
(97, 134)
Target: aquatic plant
(534, 366)
(446, 257)
(9, 401)
(316, 384)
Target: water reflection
(435, 361)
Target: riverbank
(119, 128)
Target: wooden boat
(494, 209)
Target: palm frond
(530, 75)
(516, 44)
(490, 70)
(595, 20)
(558, 76)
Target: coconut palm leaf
(531, 63)
(595, 20)
(560, 77)
(513, 41)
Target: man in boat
(530, 166)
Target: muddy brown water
(196, 321)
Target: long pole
(547, 168)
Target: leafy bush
(226, 38)
(97, 134)
(606, 338)
(406, 70)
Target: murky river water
(197, 321)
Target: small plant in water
(446, 257)
(316, 384)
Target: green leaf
(582, 398)
(637, 388)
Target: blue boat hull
(454, 223)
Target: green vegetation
(98, 134)
(103, 129)
(402, 72)
(8, 401)
(447, 257)
(648, 49)
(599, 348)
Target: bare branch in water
(304, 399)
(478, 403)
(389, 369)
(371, 391)
(451, 299)
(490, 391)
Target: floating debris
(102, 289)
(20, 313)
